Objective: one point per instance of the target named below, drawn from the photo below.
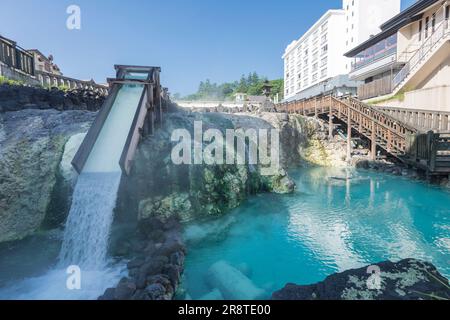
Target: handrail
(391, 133)
(440, 32)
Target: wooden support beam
(330, 124)
(349, 135)
(373, 142)
(315, 108)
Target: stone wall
(17, 76)
(15, 98)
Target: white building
(319, 54)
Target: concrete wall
(435, 98)
(440, 76)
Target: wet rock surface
(406, 280)
(16, 98)
(31, 147)
(159, 188)
(156, 265)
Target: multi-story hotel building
(319, 54)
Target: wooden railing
(438, 121)
(430, 151)
(386, 131)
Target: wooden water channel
(429, 151)
(153, 102)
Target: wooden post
(389, 141)
(330, 124)
(315, 108)
(373, 139)
(349, 135)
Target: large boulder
(159, 188)
(406, 280)
(31, 148)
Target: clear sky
(191, 40)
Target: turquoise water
(336, 220)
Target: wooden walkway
(428, 151)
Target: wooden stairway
(429, 151)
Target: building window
(324, 49)
(433, 23)
(323, 73)
(420, 30)
(427, 22)
(447, 12)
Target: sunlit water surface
(336, 220)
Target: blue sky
(191, 40)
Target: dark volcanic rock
(155, 271)
(125, 290)
(406, 280)
(15, 98)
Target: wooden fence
(376, 88)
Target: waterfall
(89, 223)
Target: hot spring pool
(330, 224)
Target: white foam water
(90, 218)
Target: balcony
(375, 58)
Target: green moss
(398, 97)
(5, 80)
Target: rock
(140, 295)
(364, 164)
(177, 258)
(232, 283)
(141, 282)
(406, 280)
(70, 149)
(17, 98)
(174, 274)
(125, 290)
(156, 291)
(31, 147)
(175, 204)
(162, 189)
(136, 263)
(108, 295)
(171, 246)
(153, 266)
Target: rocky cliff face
(158, 188)
(31, 148)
